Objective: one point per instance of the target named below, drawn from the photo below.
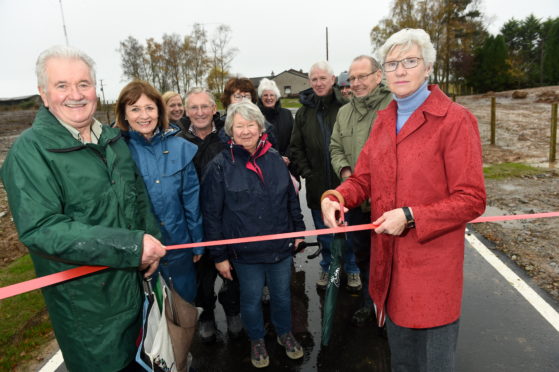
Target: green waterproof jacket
(73, 205)
(310, 140)
(353, 125)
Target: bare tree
(155, 64)
(132, 58)
(171, 55)
(200, 61)
(178, 61)
(222, 56)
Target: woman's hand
(329, 210)
(392, 222)
(224, 268)
(196, 258)
(297, 242)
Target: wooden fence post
(553, 137)
(492, 120)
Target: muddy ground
(522, 135)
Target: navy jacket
(244, 195)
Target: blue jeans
(350, 267)
(360, 243)
(422, 349)
(251, 279)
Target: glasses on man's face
(242, 96)
(407, 63)
(352, 79)
(204, 108)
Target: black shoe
(207, 331)
(234, 326)
(362, 317)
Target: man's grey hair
(406, 39)
(61, 51)
(248, 110)
(197, 90)
(321, 65)
(374, 63)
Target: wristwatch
(410, 222)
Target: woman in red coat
(422, 170)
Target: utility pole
(104, 103)
(63, 22)
(327, 43)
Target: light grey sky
(270, 35)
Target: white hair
(61, 51)
(267, 84)
(198, 90)
(405, 39)
(321, 65)
(249, 111)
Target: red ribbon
(45, 281)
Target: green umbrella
(329, 306)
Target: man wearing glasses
(311, 157)
(203, 129)
(351, 131)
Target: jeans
(228, 294)
(251, 279)
(350, 267)
(360, 243)
(422, 350)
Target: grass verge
(290, 103)
(506, 170)
(24, 322)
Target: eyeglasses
(407, 63)
(352, 79)
(202, 107)
(242, 96)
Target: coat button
(156, 181)
(113, 182)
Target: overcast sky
(270, 35)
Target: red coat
(434, 166)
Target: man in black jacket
(201, 127)
(309, 149)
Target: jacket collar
(437, 104)
(370, 102)
(56, 138)
(250, 159)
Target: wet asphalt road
(500, 330)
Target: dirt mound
(548, 96)
(519, 94)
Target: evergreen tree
(491, 68)
(551, 53)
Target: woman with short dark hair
(165, 163)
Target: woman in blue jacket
(247, 191)
(165, 163)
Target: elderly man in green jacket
(351, 131)
(77, 199)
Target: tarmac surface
(499, 329)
